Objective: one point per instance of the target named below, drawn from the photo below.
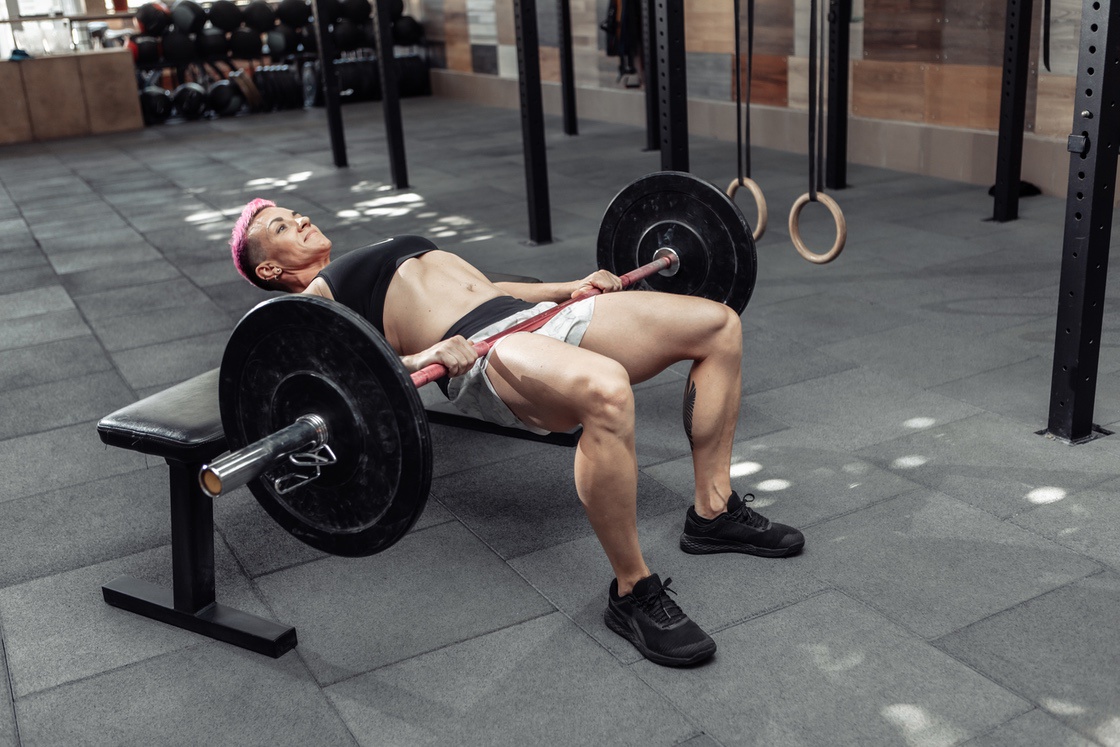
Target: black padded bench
(183, 425)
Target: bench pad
(182, 423)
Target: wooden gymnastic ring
(841, 229)
(759, 201)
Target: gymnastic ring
(759, 201)
(841, 229)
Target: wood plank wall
(926, 61)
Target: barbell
(325, 424)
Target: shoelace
(660, 607)
(749, 517)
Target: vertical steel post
(327, 55)
(649, 63)
(192, 540)
(532, 121)
(1089, 207)
(836, 121)
(390, 92)
(567, 68)
(1012, 108)
(672, 84)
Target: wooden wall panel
(109, 80)
(797, 83)
(769, 79)
(903, 30)
(773, 27)
(15, 119)
(550, 64)
(887, 90)
(1054, 108)
(55, 98)
(973, 32)
(457, 36)
(1065, 36)
(507, 28)
(963, 96)
(710, 26)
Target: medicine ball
(358, 11)
(226, 15)
(155, 105)
(189, 100)
(348, 35)
(153, 18)
(188, 16)
(294, 13)
(145, 49)
(245, 44)
(259, 16)
(281, 41)
(225, 98)
(407, 31)
(212, 44)
(178, 47)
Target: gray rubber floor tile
(51, 460)
(99, 217)
(794, 481)
(83, 524)
(927, 355)
(149, 298)
(54, 361)
(9, 737)
(1022, 391)
(24, 256)
(1058, 650)
(237, 296)
(1086, 521)
(547, 684)
(161, 325)
(1033, 729)
(262, 546)
(716, 591)
(60, 403)
(994, 464)
(856, 408)
(101, 279)
(93, 238)
(121, 255)
(825, 318)
(34, 302)
(773, 360)
(830, 671)
(935, 564)
(523, 505)
(433, 588)
(171, 362)
(208, 694)
(28, 278)
(59, 629)
(1003, 272)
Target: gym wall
(925, 76)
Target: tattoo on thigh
(689, 406)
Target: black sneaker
(739, 530)
(656, 626)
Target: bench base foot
(215, 620)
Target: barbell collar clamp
(307, 433)
(674, 261)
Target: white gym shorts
(474, 395)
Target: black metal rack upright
(1012, 109)
(532, 121)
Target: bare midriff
(428, 294)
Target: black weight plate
(296, 355)
(697, 220)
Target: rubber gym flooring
(961, 580)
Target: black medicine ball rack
(199, 49)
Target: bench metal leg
(190, 604)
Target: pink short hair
(238, 240)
